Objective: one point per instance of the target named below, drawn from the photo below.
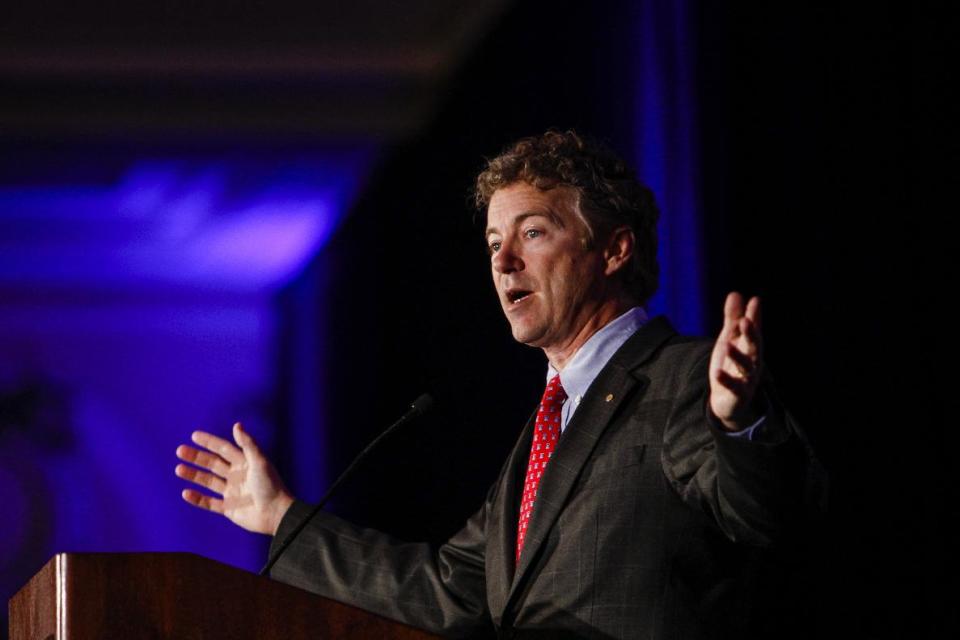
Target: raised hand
(736, 364)
(253, 495)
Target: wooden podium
(178, 595)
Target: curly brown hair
(609, 194)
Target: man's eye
(494, 247)
(533, 233)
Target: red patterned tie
(545, 435)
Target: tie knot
(554, 395)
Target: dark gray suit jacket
(648, 522)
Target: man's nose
(506, 260)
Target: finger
(218, 445)
(742, 389)
(198, 499)
(203, 459)
(204, 479)
(749, 341)
(753, 312)
(751, 329)
(743, 364)
(245, 440)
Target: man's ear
(619, 249)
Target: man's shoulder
(681, 359)
(687, 347)
(657, 343)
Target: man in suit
(640, 500)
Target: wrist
(743, 419)
(281, 506)
(735, 426)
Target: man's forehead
(516, 202)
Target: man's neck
(559, 356)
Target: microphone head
(422, 404)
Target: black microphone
(419, 407)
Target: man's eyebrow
(528, 214)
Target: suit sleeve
(759, 492)
(438, 589)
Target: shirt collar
(586, 363)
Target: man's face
(548, 282)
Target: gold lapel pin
(609, 397)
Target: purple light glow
(666, 154)
(106, 306)
(261, 246)
(212, 225)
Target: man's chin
(530, 336)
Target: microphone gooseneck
(417, 408)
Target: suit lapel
(504, 526)
(609, 390)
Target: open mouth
(516, 295)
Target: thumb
(245, 441)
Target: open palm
(252, 495)
(736, 364)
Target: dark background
(825, 178)
(824, 174)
